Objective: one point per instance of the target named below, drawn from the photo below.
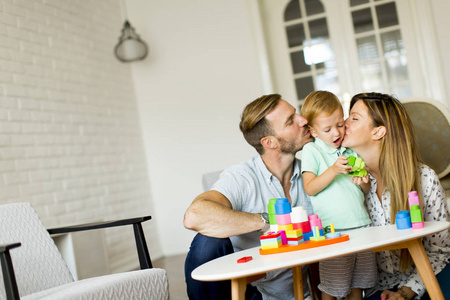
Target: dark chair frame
(12, 291)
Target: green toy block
(351, 160)
(272, 219)
(357, 166)
(416, 214)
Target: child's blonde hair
(319, 102)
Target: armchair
(431, 121)
(33, 268)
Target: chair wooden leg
(314, 278)
(141, 245)
(9, 279)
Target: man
(228, 217)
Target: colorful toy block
(283, 206)
(285, 227)
(244, 259)
(293, 230)
(270, 240)
(317, 236)
(294, 233)
(332, 234)
(284, 219)
(304, 226)
(283, 237)
(415, 210)
(274, 227)
(299, 214)
(308, 235)
(403, 220)
(357, 165)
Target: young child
(336, 197)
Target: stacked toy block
(294, 237)
(413, 218)
(315, 233)
(415, 210)
(299, 218)
(283, 212)
(270, 240)
(357, 165)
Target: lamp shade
(130, 47)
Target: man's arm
(211, 214)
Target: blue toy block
(309, 234)
(283, 206)
(403, 220)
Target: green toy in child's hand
(357, 166)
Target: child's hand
(340, 165)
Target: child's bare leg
(355, 294)
(325, 296)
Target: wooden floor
(174, 266)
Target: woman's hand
(399, 295)
(390, 295)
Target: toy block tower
(299, 218)
(313, 221)
(272, 215)
(357, 166)
(283, 212)
(415, 210)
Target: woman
(380, 131)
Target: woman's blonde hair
(399, 156)
(319, 102)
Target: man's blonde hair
(319, 102)
(253, 123)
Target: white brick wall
(70, 141)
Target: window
(382, 62)
(311, 52)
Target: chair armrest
(98, 225)
(141, 245)
(7, 247)
(9, 279)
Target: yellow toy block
(294, 233)
(285, 227)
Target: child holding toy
(336, 197)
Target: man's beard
(288, 147)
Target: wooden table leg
(298, 282)
(238, 287)
(420, 258)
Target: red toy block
(244, 259)
(304, 226)
(270, 235)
